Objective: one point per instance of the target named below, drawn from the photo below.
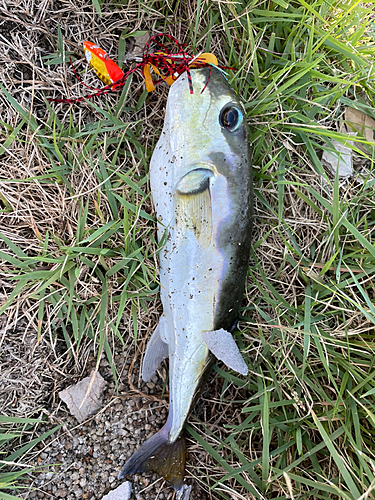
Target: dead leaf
(136, 46)
(362, 123)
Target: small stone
(123, 492)
(74, 476)
(84, 398)
(68, 445)
(61, 492)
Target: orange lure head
(106, 69)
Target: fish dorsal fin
(223, 346)
(156, 351)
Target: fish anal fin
(158, 455)
(223, 346)
(156, 351)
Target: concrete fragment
(123, 492)
(184, 493)
(339, 159)
(85, 398)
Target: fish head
(209, 122)
(202, 157)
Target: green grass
(308, 405)
(11, 467)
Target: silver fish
(201, 187)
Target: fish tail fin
(161, 456)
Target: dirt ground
(84, 459)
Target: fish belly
(190, 278)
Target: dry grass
(63, 173)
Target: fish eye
(230, 118)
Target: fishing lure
(106, 69)
(164, 62)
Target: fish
(202, 192)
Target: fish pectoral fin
(156, 351)
(193, 205)
(223, 346)
(194, 182)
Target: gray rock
(123, 492)
(339, 159)
(84, 398)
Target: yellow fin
(160, 456)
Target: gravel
(82, 461)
